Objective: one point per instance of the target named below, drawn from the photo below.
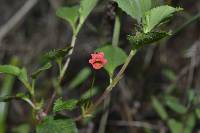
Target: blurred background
(158, 93)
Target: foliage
(80, 78)
(135, 8)
(115, 58)
(51, 125)
(157, 16)
(61, 105)
(149, 18)
(142, 39)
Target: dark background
(39, 31)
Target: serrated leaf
(56, 54)
(143, 39)
(175, 126)
(159, 108)
(86, 6)
(80, 78)
(61, 105)
(10, 69)
(135, 8)
(70, 14)
(175, 105)
(115, 57)
(41, 69)
(156, 16)
(51, 125)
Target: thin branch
(14, 20)
(139, 124)
(50, 103)
(64, 69)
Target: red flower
(98, 61)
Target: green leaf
(61, 105)
(143, 39)
(86, 6)
(56, 54)
(8, 98)
(80, 78)
(89, 93)
(115, 57)
(190, 123)
(135, 8)
(23, 77)
(175, 126)
(51, 125)
(70, 14)
(175, 105)
(169, 74)
(159, 108)
(191, 95)
(197, 112)
(23, 128)
(43, 68)
(9, 69)
(156, 16)
(20, 73)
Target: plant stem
(73, 42)
(68, 59)
(64, 69)
(115, 42)
(111, 85)
(6, 89)
(116, 32)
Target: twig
(104, 117)
(50, 103)
(64, 69)
(135, 124)
(14, 20)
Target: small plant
(179, 116)
(149, 18)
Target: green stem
(115, 42)
(68, 59)
(6, 89)
(64, 68)
(116, 32)
(73, 42)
